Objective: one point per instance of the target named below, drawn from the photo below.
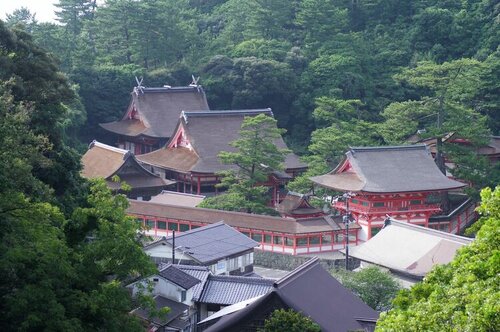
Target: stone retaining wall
(286, 262)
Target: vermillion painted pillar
(198, 189)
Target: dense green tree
(33, 78)
(320, 20)
(22, 16)
(256, 157)
(374, 286)
(244, 83)
(57, 272)
(446, 106)
(462, 295)
(289, 320)
(340, 125)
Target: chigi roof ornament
(194, 82)
(139, 87)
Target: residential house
(310, 290)
(193, 293)
(218, 246)
(172, 288)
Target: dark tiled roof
(104, 161)
(176, 310)
(210, 133)
(213, 242)
(199, 272)
(227, 290)
(388, 169)
(178, 277)
(234, 219)
(311, 290)
(159, 109)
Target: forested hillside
(335, 72)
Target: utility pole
(346, 219)
(173, 247)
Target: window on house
(378, 204)
(415, 202)
(278, 240)
(183, 227)
(162, 224)
(221, 265)
(173, 226)
(364, 203)
(246, 233)
(183, 296)
(354, 201)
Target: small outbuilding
(407, 250)
(108, 162)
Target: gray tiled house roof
(213, 242)
(158, 110)
(199, 272)
(388, 169)
(226, 290)
(178, 277)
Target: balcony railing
(387, 209)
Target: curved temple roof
(158, 110)
(209, 133)
(387, 169)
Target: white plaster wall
(166, 252)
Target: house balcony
(416, 208)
